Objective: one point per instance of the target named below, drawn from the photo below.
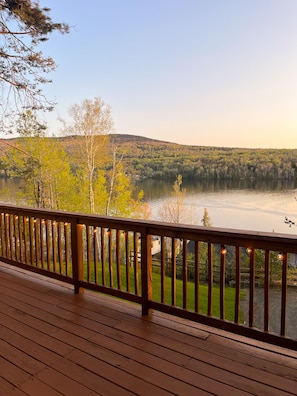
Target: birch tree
(91, 123)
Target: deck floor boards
(53, 342)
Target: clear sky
(197, 72)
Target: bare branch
(23, 26)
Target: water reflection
(154, 188)
(245, 204)
(10, 189)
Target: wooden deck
(53, 342)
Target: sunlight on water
(262, 209)
(243, 209)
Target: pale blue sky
(200, 72)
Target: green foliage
(143, 158)
(149, 158)
(24, 26)
(29, 126)
(206, 220)
(45, 167)
(51, 180)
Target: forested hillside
(148, 158)
(152, 158)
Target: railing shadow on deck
(227, 279)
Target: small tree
(119, 192)
(175, 210)
(92, 121)
(206, 220)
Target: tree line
(148, 158)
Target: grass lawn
(203, 290)
(203, 296)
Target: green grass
(203, 296)
(203, 290)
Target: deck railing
(239, 281)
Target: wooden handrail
(118, 257)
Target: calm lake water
(242, 205)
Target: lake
(246, 205)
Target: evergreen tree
(206, 221)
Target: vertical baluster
(11, 241)
(222, 281)
(266, 290)
(6, 226)
(197, 275)
(136, 272)
(118, 258)
(54, 245)
(128, 285)
(210, 279)
(21, 241)
(42, 250)
(237, 285)
(26, 233)
(89, 255)
(163, 270)
(3, 245)
(185, 274)
(16, 237)
(48, 237)
(103, 255)
(95, 247)
(60, 247)
(252, 287)
(284, 294)
(10, 231)
(37, 241)
(173, 272)
(66, 237)
(110, 258)
(32, 239)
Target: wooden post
(77, 254)
(146, 272)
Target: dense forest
(148, 158)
